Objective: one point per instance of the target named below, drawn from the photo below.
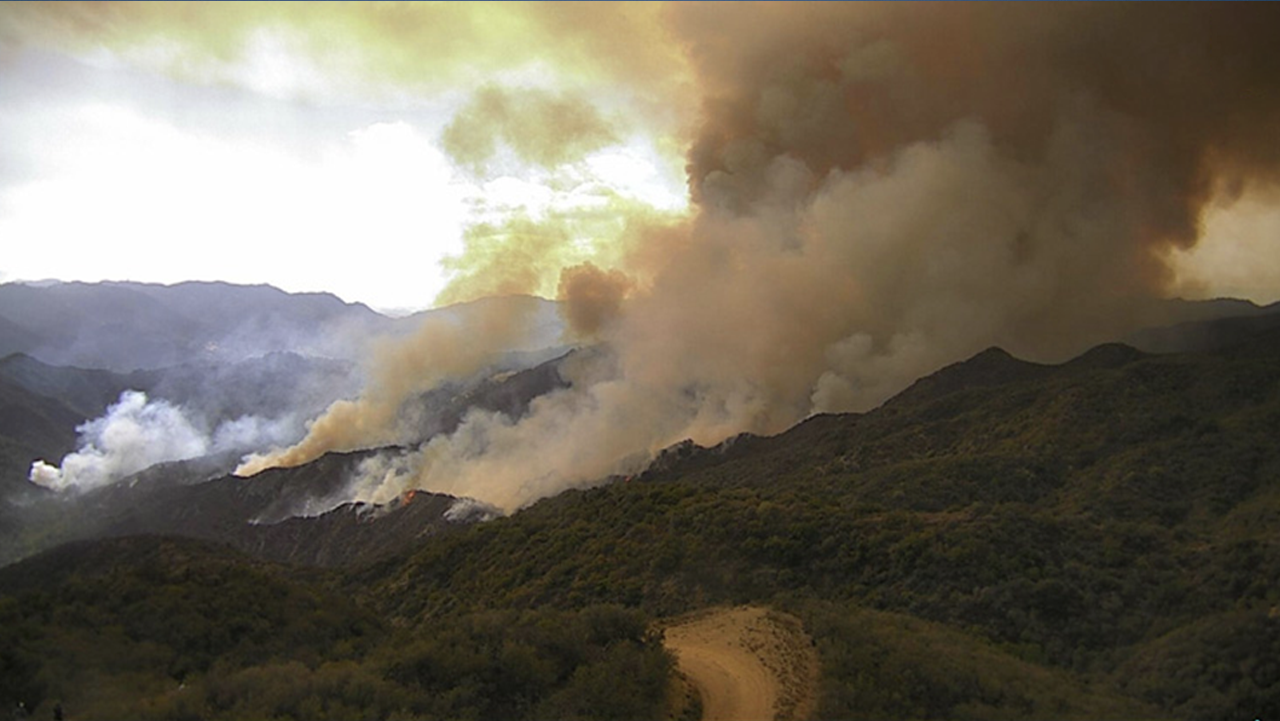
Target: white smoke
(248, 433)
(136, 433)
(469, 510)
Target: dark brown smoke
(1189, 90)
(591, 298)
(1124, 119)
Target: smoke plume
(447, 346)
(878, 190)
(538, 127)
(137, 433)
(592, 298)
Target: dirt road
(747, 663)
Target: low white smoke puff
(137, 433)
(469, 510)
(47, 475)
(133, 435)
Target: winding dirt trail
(747, 663)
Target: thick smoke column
(881, 190)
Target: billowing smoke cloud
(592, 298)
(580, 216)
(137, 433)
(524, 254)
(880, 190)
(539, 127)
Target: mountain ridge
(126, 326)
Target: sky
(300, 146)
(373, 150)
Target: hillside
(156, 628)
(1076, 518)
(1001, 540)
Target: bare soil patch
(747, 663)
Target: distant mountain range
(129, 326)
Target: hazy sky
(295, 145)
(351, 147)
